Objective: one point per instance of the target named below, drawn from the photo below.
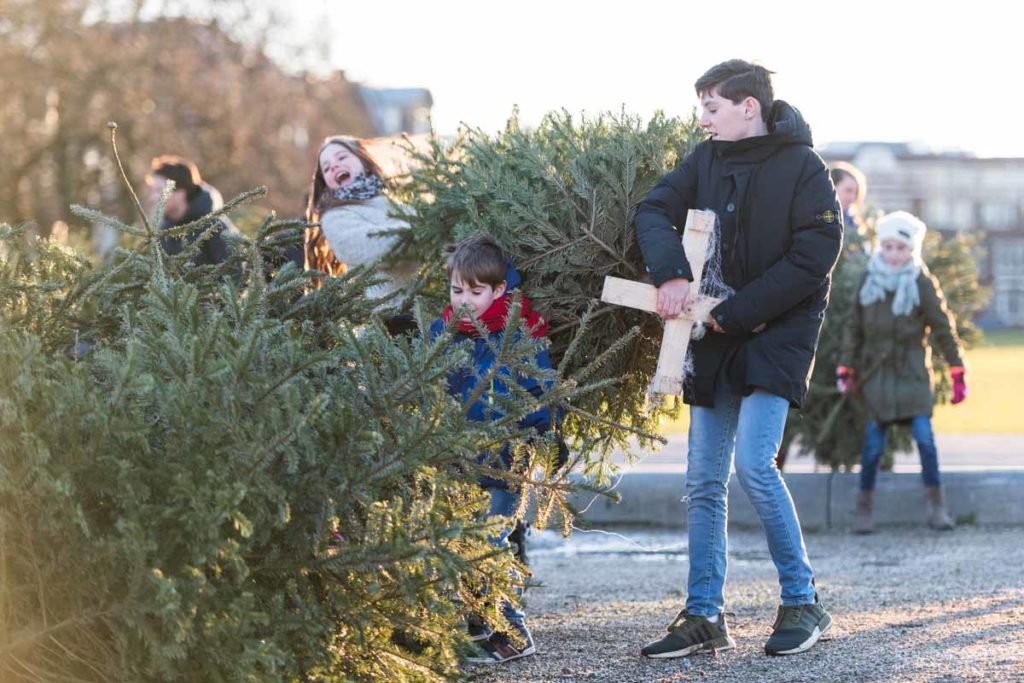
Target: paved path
(910, 605)
(956, 452)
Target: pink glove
(959, 384)
(846, 380)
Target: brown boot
(864, 522)
(938, 518)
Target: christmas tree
(211, 473)
(560, 198)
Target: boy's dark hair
(478, 260)
(738, 80)
(182, 171)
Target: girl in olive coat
(886, 355)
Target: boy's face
(724, 120)
(339, 166)
(477, 297)
(177, 201)
(895, 252)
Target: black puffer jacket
(215, 249)
(781, 233)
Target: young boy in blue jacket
(481, 281)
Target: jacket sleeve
(817, 237)
(940, 320)
(660, 219)
(542, 418)
(437, 328)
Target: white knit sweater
(351, 231)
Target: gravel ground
(908, 605)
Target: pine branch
(112, 125)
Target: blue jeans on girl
(874, 447)
(751, 428)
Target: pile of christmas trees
(217, 473)
(212, 473)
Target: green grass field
(995, 382)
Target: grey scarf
(883, 278)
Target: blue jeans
(751, 427)
(504, 503)
(874, 447)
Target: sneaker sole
(490, 661)
(719, 644)
(807, 644)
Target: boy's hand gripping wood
(668, 379)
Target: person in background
(852, 188)
(190, 201)
(886, 356)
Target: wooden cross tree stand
(668, 378)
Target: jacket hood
(786, 126)
(512, 277)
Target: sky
(869, 70)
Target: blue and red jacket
(463, 381)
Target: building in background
(398, 110)
(954, 192)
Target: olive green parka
(891, 355)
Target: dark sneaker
(478, 628)
(500, 648)
(797, 628)
(689, 634)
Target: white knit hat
(904, 227)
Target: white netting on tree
(712, 285)
(712, 282)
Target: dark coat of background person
(781, 233)
(892, 355)
(214, 250)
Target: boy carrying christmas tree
(780, 236)
(481, 279)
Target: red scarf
(496, 315)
